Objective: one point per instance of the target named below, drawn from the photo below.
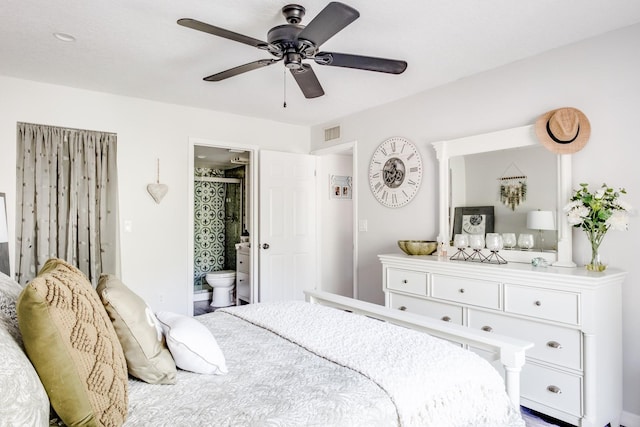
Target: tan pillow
(140, 335)
(71, 342)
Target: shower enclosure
(218, 219)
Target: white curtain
(67, 200)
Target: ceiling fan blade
(221, 32)
(308, 82)
(333, 18)
(240, 69)
(369, 63)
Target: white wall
(336, 227)
(598, 76)
(154, 253)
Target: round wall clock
(395, 172)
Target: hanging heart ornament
(157, 191)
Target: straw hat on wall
(564, 130)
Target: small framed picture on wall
(340, 187)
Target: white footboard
(511, 351)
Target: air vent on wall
(332, 133)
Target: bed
(330, 361)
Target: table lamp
(541, 220)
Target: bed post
(513, 360)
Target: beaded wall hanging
(513, 187)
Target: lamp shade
(541, 220)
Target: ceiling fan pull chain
(284, 85)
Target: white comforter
(431, 382)
(401, 377)
(271, 383)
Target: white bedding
(431, 382)
(355, 381)
(271, 382)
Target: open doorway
(221, 222)
(337, 206)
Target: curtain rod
(68, 128)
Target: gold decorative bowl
(418, 247)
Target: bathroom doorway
(220, 203)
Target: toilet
(222, 282)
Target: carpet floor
(534, 419)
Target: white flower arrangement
(597, 213)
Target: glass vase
(596, 264)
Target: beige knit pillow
(71, 342)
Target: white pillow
(191, 344)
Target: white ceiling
(135, 47)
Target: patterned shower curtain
(209, 233)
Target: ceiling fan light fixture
(294, 43)
(293, 60)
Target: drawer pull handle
(554, 344)
(446, 319)
(405, 281)
(461, 290)
(538, 303)
(554, 389)
(487, 328)
(402, 308)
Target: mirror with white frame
(477, 149)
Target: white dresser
(574, 372)
(243, 284)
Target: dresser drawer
(242, 263)
(481, 293)
(559, 390)
(433, 309)
(414, 282)
(546, 304)
(553, 344)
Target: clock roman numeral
(393, 146)
(378, 187)
(413, 169)
(412, 182)
(411, 156)
(383, 151)
(394, 199)
(385, 195)
(376, 175)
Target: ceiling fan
(293, 43)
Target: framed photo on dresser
(473, 220)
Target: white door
(287, 236)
